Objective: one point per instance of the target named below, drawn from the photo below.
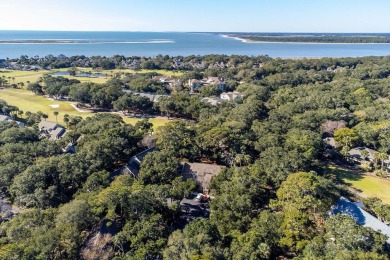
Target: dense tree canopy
(271, 199)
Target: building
(362, 217)
(194, 84)
(215, 81)
(202, 173)
(212, 100)
(151, 96)
(4, 118)
(134, 164)
(356, 155)
(52, 131)
(229, 96)
(167, 81)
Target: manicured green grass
(156, 121)
(33, 76)
(368, 185)
(22, 76)
(27, 101)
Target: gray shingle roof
(54, 130)
(4, 118)
(135, 161)
(203, 173)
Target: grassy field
(27, 101)
(22, 76)
(368, 185)
(17, 76)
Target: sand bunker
(54, 106)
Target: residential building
(194, 84)
(356, 154)
(229, 96)
(4, 118)
(135, 162)
(166, 80)
(52, 131)
(212, 100)
(362, 217)
(202, 173)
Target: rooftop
(362, 217)
(201, 172)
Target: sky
(197, 15)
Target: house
(4, 118)
(161, 79)
(134, 164)
(362, 217)
(202, 173)
(215, 81)
(166, 80)
(356, 154)
(52, 131)
(194, 84)
(212, 100)
(151, 96)
(228, 96)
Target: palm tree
(376, 158)
(365, 154)
(383, 157)
(45, 116)
(66, 120)
(56, 114)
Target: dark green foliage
(267, 202)
(343, 237)
(319, 39)
(159, 168)
(198, 240)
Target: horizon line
(146, 31)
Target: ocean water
(13, 44)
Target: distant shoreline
(244, 40)
(81, 42)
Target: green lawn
(22, 76)
(33, 76)
(27, 101)
(368, 185)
